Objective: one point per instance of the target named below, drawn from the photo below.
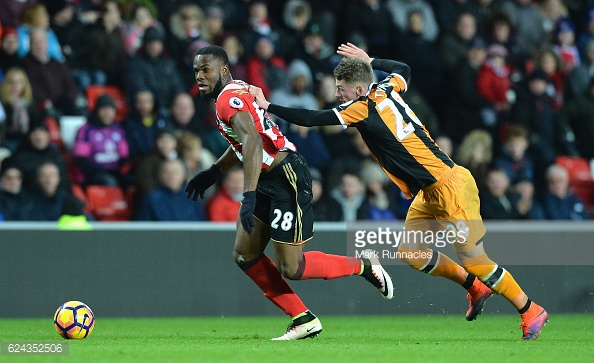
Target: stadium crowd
(505, 87)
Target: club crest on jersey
(235, 102)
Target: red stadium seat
(94, 91)
(108, 203)
(580, 179)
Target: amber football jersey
(395, 136)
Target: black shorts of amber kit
(284, 201)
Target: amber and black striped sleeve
(391, 66)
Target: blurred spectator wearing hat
(152, 69)
(8, 51)
(464, 104)
(16, 204)
(494, 84)
(564, 45)
(297, 15)
(69, 30)
(588, 34)
(36, 16)
(265, 69)
(108, 54)
(16, 97)
(54, 90)
(100, 149)
(35, 150)
(257, 24)
(316, 52)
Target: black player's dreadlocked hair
(216, 51)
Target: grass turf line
(416, 338)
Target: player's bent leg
(534, 317)
(249, 256)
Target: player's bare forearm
(227, 160)
(251, 148)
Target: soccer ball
(74, 320)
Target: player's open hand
(202, 181)
(350, 50)
(259, 96)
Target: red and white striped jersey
(235, 97)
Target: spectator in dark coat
(49, 198)
(15, 203)
(142, 125)
(325, 208)
(169, 202)
(151, 69)
(52, 85)
(453, 44)
(8, 51)
(558, 202)
(579, 114)
(35, 150)
(500, 202)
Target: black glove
(202, 181)
(246, 213)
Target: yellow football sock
(433, 263)
(495, 277)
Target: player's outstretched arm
(297, 116)
(350, 50)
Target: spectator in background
(195, 157)
(310, 144)
(475, 154)
(224, 205)
(564, 46)
(485, 11)
(296, 16)
(444, 142)
(587, 35)
(297, 92)
(35, 150)
(49, 198)
(514, 160)
(15, 203)
(265, 69)
(352, 158)
(257, 24)
(234, 50)
(12, 9)
(182, 114)
(500, 31)
(580, 78)
(142, 125)
(494, 84)
(36, 16)
(325, 208)
(147, 171)
(558, 201)
(466, 108)
(552, 12)
(151, 69)
(453, 45)
(53, 89)
(187, 25)
(377, 203)
(579, 114)
(422, 53)
(71, 33)
(215, 26)
(528, 23)
(535, 110)
(100, 149)
(447, 11)
(401, 10)
(316, 52)
(108, 54)
(548, 61)
(168, 201)
(500, 202)
(16, 97)
(350, 195)
(142, 19)
(8, 50)
(373, 19)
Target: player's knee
(242, 258)
(288, 270)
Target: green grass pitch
(392, 338)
